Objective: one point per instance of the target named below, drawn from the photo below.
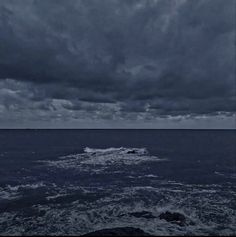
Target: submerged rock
(121, 231)
(142, 214)
(131, 152)
(175, 218)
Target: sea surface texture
(71, 182)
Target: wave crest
(120, 150)
(100, 159)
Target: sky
(117, 64)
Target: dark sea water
(58, 182)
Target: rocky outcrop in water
(121, 231)
(131, 152)
(175, 218)
(171, 217)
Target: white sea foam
(13, 192)
(7, 195)
(120, 150)
(25, 186)
(55, 196)
(99, 159)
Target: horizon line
(117, 128)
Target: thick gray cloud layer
(116, 59)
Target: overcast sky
(117, 64)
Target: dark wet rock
(131, 152)
(122, 231)
(174, 217)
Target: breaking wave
(13, 192)
(101, 159)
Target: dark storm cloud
(154, 57)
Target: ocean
(71, 182)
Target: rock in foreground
(121, 231)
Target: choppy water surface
(74, 182)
